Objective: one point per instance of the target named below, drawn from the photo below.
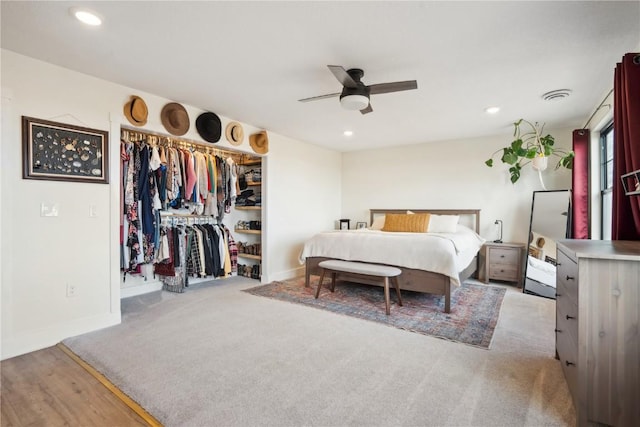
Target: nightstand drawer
(504, 256)
(503, 272)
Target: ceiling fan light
(354, 102)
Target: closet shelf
(250, 162)
(239, 230)
(248, 208)
(243, 255)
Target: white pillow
(378, 223)
(443, 223)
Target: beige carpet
(218, 356)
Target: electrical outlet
(71, 290)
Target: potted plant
(531, 147)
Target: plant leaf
(531, 153)
(509, 156)
(516, 144)
(489, 163)
(515, 172)
(566, 161)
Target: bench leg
(386, 295)
(333, 280)
(397, 286)
(320, 284)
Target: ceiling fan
(355, 94)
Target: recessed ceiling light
(86, 16)
(348, 132)
(556, 95)
(491, 110)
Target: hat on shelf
(136, 111)
(259, 142)
(209, 126)
(175, 118)
(234, 133)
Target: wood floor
(49, 388)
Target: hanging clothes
(157, 177)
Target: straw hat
(259, 142)
(136, 111)
(234, 133)
(209, 126)
(175, 118)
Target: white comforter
(444, 253)
(541, 271)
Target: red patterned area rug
(474, 308)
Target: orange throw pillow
(406, 223)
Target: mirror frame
(542, 290)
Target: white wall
(303, 192)
(448, 174)
(40, 255)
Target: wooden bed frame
(412, 279)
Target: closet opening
(189, 213)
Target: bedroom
(309, 188)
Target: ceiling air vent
(555, 95)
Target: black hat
(209, 127)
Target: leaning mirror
(549, 223)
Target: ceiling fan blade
(367, 110)
(342, 76)
(393, 87)
(315, 98)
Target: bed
(434, 262)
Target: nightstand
(503, 261)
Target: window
(606, 187)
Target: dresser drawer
(567, 275)
(509, 256)
(567, 291)
(503, 272)
(568, 353)
(566, 318)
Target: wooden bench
(370, 271)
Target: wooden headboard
(468, 217)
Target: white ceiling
(252, 61)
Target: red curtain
(580, 185)
(626, 150)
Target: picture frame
(361, 225)
(62, 152)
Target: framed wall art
(62, 152)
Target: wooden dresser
(598, 328)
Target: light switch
(49, 209)
(93, 211)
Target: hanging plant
(531, 147)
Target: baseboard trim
(150, 419)
(133, 291)
(284, 275)
(32, 340)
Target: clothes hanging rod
(598, 109)
(180, 140)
